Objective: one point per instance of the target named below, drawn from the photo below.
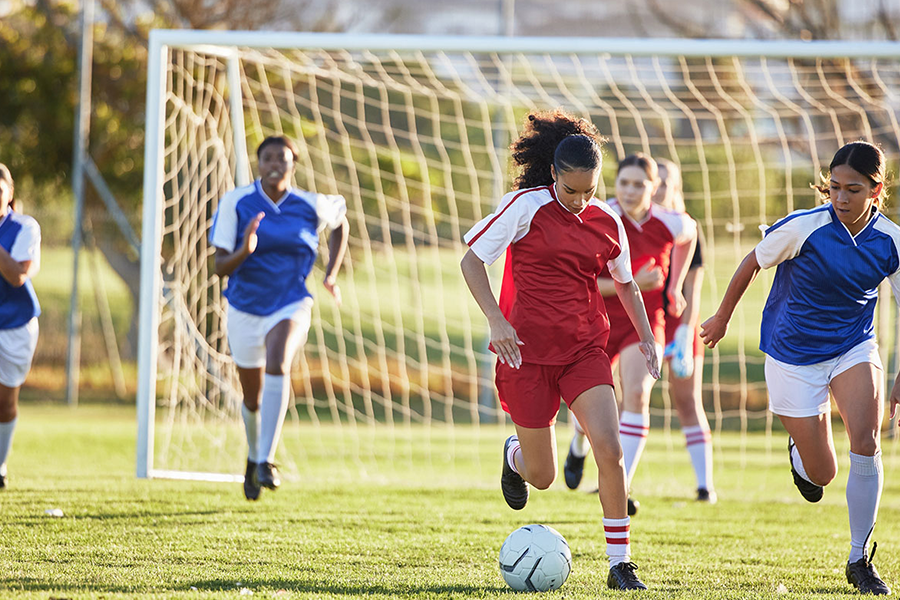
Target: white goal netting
(415, 138)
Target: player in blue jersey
(20, 258)
(266, 236)
(817, 333)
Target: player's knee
(542, 479)
(608, 452)
(823, 473)
(865, 444)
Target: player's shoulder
(672, 219)
(25, 222)
(608, 209)
(886, 226)
(232, 197)
(807, 219)
(535, 195)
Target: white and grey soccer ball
(535, 558)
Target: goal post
(413, 131)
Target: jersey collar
(275, 203)
(552, 188)
(614, 202)
(863, 233)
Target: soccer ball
(535, 558)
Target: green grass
(428, 524)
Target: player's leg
(9, 410)
(858, 395)
(16, 353)
(687, 397)
(634, 420)
(573, 469)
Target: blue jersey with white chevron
(20, 235)
(274, 276)
(822, 301)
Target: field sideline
(123, 537)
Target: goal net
(413, 132)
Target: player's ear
(553, 172)
(876, 191)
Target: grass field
(427, 527)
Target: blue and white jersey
(274, 276)
(20, 235)
(822, 302)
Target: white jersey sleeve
(224, 232)
(27, 245)
(886, 226)
(620, 266)
(681, 225)
(330, 209)
(491, 236)
(784, 239)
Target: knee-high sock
(864, 486)
(579, 446)
(251, 426)
(272, 408)
(6, 436)
(797, 463)
(618, 540)
(699, 447)
(633, 429)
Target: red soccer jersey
(651, 239)
(549, 292)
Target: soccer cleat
(2, 481)
(267, 475)
(573, 469)
(704, 495)
(515, 490)
(251, 483)
(809, 490)
(864, 577)
(622, 577)
(633, 506)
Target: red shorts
(672, 324)
(531, 393)
(622, 335)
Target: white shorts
(247, 333)
(16, 352)
(802, 390)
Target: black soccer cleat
(2, 481)
(864, 577)
(267, 475)
(704, 495)
(251, 483)
(622, 577)
(573, 470)
(633, 506)
(809, 490)
(515, 489)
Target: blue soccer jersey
(274, 276)
(20, 235)
(822, 301)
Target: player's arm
(693, 284)
(503, 336)
(714, 328)
(678, 269)
(227, 262)
(15, 272)
(337, 247)
(630, 296)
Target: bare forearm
(337, 247)
(693, 285)
(475, 274)
(606, 286)
(740, 281)
(678, 269)
(14, 272)
(630, 296)
(228, 262)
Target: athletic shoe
(251, 483)
(622, 577)
(573, 469)
(515, 490)
(809, 490)
(704, 495)
(2, 481)
(633, 506)
(864, 577)
(267, 475)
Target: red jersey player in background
(551, 333)
(661, 243)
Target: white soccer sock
(618, 540)
(633, 429)
(864, 486)
(699, 447)
(6, 436)
(272, 410)
(797, 463)
(251, 426)
(511, 450)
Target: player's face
(276, 165)
(575, 188)
(852, 195)
(634, 190)
(664, 191)
(5, 196)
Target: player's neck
(274, 193)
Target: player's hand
(506, 342)
(250, 238)
(331, 285)
(651, 352)
(649, 276)
(713, 329)
(895, 397)
(677, 303)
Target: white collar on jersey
(275, 203)
(872, 217)
(555, 194)
(621, 210)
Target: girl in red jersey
(661, 242)
(552, 329)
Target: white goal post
(413, 131)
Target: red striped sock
(618, 540)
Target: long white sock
(579, 446)
(618, 540)
(633, 429)
(699, 447)
(252, 423)
(272, 410)
(511, 450)
(6, 436)
(864, 486)
(797, 463)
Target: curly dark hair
(864, 158)
(554, 138)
